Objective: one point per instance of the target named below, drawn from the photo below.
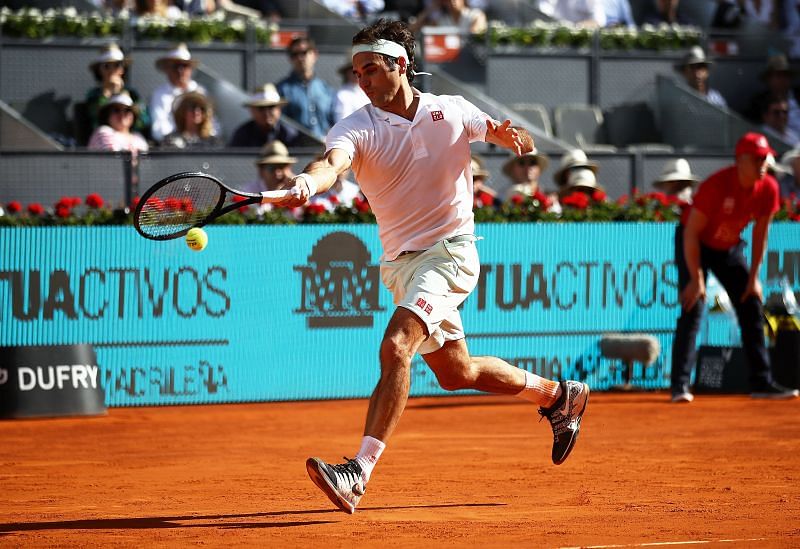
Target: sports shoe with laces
(343, 483)
(774, 391)
(681, 394)
(565, 417)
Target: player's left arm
(760, 236)
(514, 138)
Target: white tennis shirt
(415, 173)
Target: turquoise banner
(286, 313)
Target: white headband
(386, 47)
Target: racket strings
(178, 206)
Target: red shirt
(729, 207)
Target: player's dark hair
(396, 31)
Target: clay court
(465, 471)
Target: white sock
(367, 456)
(539, 390)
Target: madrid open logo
(339, 285)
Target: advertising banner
(298, 312)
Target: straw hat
(109, 53)
(265, 96)
(179, 53)
(541, 159)
(120, 99)
(193, 96)
(275, 153)
(581, 179)
(675, 170)
(575, 158)
(777, 63)
(695, 56)
(478, 167)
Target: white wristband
(310, 183)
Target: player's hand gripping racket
(179, 202)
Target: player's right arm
(317, 177)
(696, 288)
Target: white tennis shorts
(433, 283)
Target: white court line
(664, 543)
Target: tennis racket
(179, 202)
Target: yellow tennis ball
(197, 239)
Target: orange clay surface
(463, 471)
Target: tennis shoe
(681, 394)
(343, 484)
(565, 418)
(774, 391)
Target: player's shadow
(205, 521)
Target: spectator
(775, 120)
(483, 194)
(115, 132)
(584, 13)
(618, 13)
(194, 126)
(790, 23)
(451, 13)
(274, 168)
(310, 99)
(269, 9)
(572, 160)
(695, 70)
(178, 65)
(656, 12)
(709, 239)
(524, 172)
(582, 180)
(355, 9)
(778, 78)
(677, 179)
(265, 124)
(158, 8)
(109, 69)
(789, 181)
(349, 97)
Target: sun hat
(777, 63)
(580, 179)
(478, 167)
(675, 170)
(265, 96)
(275, 153)
(193, 96)
(754, 143)
(123, 99)
(541, 159)
(110, 53)
(575, 158)
(695, 56)
(178, 53)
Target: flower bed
(577, 207)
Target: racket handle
(268, 197)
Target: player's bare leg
(563, 404)
(345, 484)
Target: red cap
(755, 144)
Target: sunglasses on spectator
(298, 53)
(120, 110)
(180, 66)
(111, 65)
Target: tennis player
(410, 152)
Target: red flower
(75, 201)
(540, 197)
(485, 199)
(94, 200)
(35, 208)
(576, 200)
(14, 207)
(622, 200)
(599, 196)
(172, 204)
(154, 203)
(517, 199)
(186, 205)
(315, 209)
(64, 202)
(63, 209)
(796, 217)
(333, 199)
(135, 202)
(361, 204)
(237, 199)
